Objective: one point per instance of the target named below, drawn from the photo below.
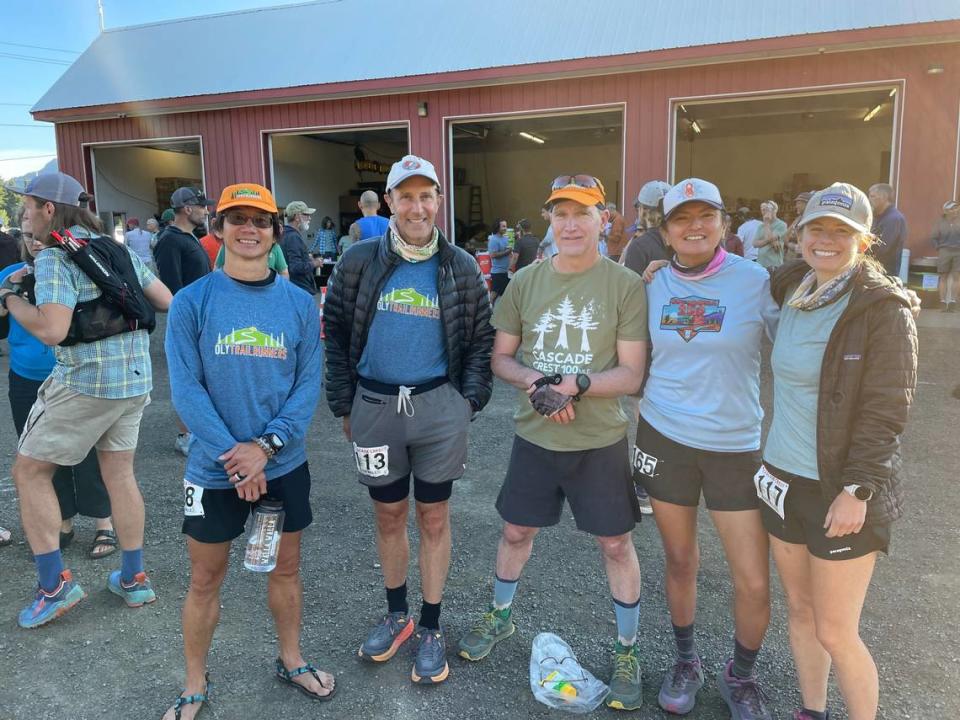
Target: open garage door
(503, 166)
(776, 147)
(329, 169)
(137, 180)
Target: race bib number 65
(643, 463)
(772, 490)
(372, 461)
(192, 499)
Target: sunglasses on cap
(582, 181)
(240, 219)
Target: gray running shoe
(430, 667)
(743, 696)
(182, 443)
(386, 637)
(626, 691)
(494, 626)
(803, 715)
(678, 693)
(643, 499)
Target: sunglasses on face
(582, 181)
(239, 219)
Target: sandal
(102, 538)
(6, 537)
(198, 698)
(287, 676)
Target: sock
(628, 619)
(430, 615)
(817, 714)
(686, 645)
(743, 660)
(503, 592)
(397, 599)
(49, 567)
(131, 563)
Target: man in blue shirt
(372, 224)
(889, 225)
(498, 246)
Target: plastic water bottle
(263, 545)
(558, 684)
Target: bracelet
(265, 446)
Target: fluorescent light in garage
(531, 138)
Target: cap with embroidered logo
(247, 195)
(843, 202)
(55, 187)
(184, 196)
(407, 167)
(691, 190)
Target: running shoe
(48, 606)
(386, 637)
(430, 667)
(626, 691)
(643, 499)
(494, 626)
(678, 693)
(136, 594)
(182, 443)
(804, 715)
(743, 696)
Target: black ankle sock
(816, 714)
(397, 599)
(743, 660)
(430, 615)
(686, 646)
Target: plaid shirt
(113, 368)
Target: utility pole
(100, 13)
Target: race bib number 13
(372, 461)
(192, 499)
(772, 490)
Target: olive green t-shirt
(569, 323)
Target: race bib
(372, 461)
(643, 463)
(772, 490)
(192, 499)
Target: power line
(33, 58)
(6, 104)
(28, 157)
(25, 125)
(39, 47)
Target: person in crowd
(791, 246)
(408, 341)
(946, 240)
(527, 245)
(844, 371)
(352, 236)
(747, 232)
(251, 405)
(889, 226)
(94, 397)
(9, 249)
(548, 246)
(699, 434)
(731, 241)
(79, 489)
(769, 238)
(498, 247)
(617, 237)
(371, 223)
(301, 266)
(651, 242)
(570, 441)
(325, 239)
(139, 241)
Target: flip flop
(286, 676)
(103, 538)
(5, 540)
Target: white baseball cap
(691, 190)
(407, 167)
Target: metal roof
(332, 41)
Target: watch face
(275, 442)
(583, 383)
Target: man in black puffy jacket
(408, 343)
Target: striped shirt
(113, 368)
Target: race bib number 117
(772, 490)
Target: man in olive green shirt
(579, 321)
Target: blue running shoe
(137, 594)
(47, 607)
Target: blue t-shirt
(796, 360)
(498, 243)
(372, 226)
(406, 344)
(29, 358)
(244, 361)
(704, 385)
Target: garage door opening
(776, 147)
(136, 181)
(329, 170)
(502, 167)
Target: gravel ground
(106, 661)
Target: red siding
(928, 169)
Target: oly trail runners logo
(692, 315)
(407, 301)
(564, 318)
(251, 342)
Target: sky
(42, 37)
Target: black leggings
(80, 489)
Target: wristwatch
(583, 384)
(270, 443)
(859, 492)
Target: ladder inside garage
(475, 216)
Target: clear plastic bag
(558, 680)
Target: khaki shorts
(63, 424)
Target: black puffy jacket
(867, 380)
(351, 303)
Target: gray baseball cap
(56, 187)
(691, 190)
(189, 196)
(652, 193)
(842, 201)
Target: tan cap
(842, 201)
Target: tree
(567, 316)
(544, 325)
(9, 203)
(585, 323)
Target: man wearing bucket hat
(94, 397)
(580, 321)
(301, 266)
(243, 349)
(946, 239)
(408, 341)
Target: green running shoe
(626, 691)
(494, 626)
